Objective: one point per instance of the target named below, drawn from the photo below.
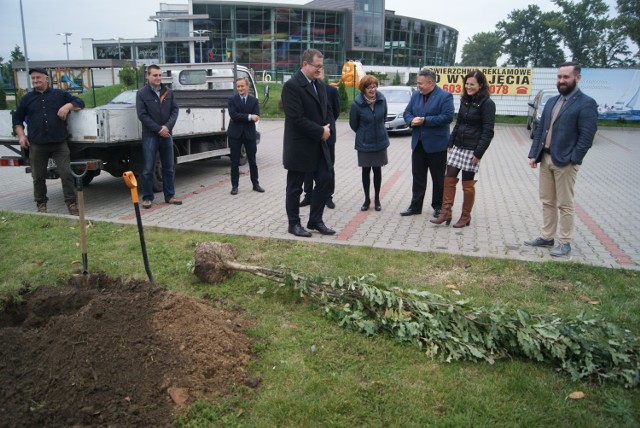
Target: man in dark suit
(306, 131)
(567, 128)
(429, 113)
(244, 111)
(333, 97)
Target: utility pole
(66, 42)
(199, 33)
(160, 28)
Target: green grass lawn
(352, 379)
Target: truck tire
(157, 175)
(88, 177)
(243, 156)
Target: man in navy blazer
(244, 111)
(429, 113)
(567, 128)
(306, 131)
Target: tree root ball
(210, 258)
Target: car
(397, 99)
(126, 99)
(537, 106)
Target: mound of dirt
(117, 355)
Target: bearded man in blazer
(567, 128)
(306, 131)
(429, 113)
(244, 111)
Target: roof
(81, 63)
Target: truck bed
(119, 125)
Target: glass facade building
(272, 37)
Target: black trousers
(250, 146)
(295, 181)
(308, 179)
(436, 165)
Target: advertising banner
(501, 80)
(616, 91)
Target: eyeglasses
(316, 66)
(368, 88)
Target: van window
(192, 77)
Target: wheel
(89, 176)
(157, 175)
(243, 156)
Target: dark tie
(313, 82)
(244, 100)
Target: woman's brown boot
(447, 201)
(469, 191)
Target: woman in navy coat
(367, 118)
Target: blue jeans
(164, 146)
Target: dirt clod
(122, 355)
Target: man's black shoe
(298, 230)
(330, 204)
(436, 212)
(257, 188)
(306, 201)
(410, 211)
(234, 190)
(321, 227)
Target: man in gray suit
(567, 128)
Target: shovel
(132, 184)
(83, 279)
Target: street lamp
(199, 33)
(66, 42)
(160, 29)
(26, 56)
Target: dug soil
(119, 354)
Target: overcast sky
(128, 19)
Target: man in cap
(46, 110)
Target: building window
(368, 21)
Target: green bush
(127, 75)
(345, 106)
(20, 94)
(396, 79)
(3, 100)
(380, 76)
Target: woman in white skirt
(469, 141)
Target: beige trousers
(556, 195)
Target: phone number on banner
(455, 88)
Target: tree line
(533, 38)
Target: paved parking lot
(506, 213)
